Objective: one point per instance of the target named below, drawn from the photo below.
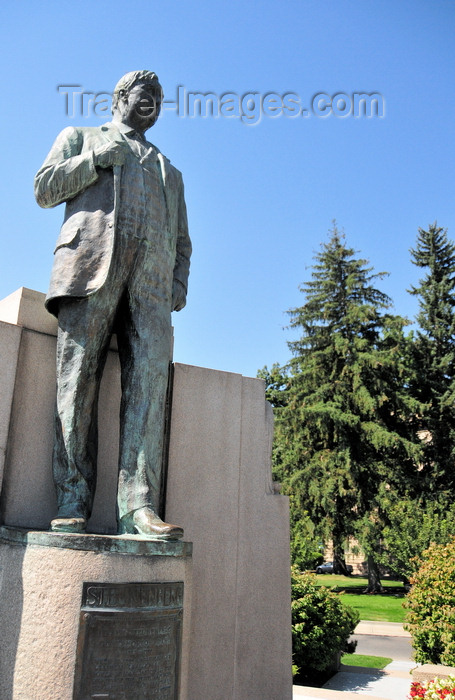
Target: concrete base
(427, 672)
(219, 488)
(41, 577)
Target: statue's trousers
(135, 303)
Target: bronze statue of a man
(121, 265)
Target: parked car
(327, 568)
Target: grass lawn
(365, 661)
(382, 607)
(358, 582)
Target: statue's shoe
(145, 522)
(68, 525)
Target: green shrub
(430, 606)
(321, 626)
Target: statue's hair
(131, 79)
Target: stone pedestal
(42, 577)
(219, 488)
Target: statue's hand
(111, 154)
(178, 296)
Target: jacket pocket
(68, 235)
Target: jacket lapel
(164, 163)
(111, 133)
(114, 134)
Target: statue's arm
(66, 171)
(183, 254)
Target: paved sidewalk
(383, 629)
(393, 682)
(352, 683)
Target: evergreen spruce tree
(344, 432)
(434, 358)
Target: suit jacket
(83, 252)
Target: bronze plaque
(129, 642)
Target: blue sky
(260, 197)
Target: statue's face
(141, 107)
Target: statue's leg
(144, 350)
(82, 344)
(145, 353)
(85, 328)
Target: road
(396, 648)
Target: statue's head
(137, 99)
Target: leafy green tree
(276, 385)
(307, 548)
(434, 358)
(412, 526)
(345, 427)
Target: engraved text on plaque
(129, 641)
